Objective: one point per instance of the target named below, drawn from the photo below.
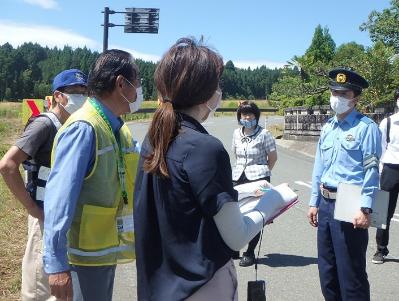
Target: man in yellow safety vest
(89, 194)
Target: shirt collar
(350, 118)
(190, 122)
(254, 133)
(115, 121)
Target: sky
(251, 33)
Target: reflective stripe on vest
(98, 253)
(125, 224)
(106, 149)
(102, 231)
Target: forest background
(27, 71)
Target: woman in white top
(255, 151)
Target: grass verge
(12, 216)
(276, 130)
(227, 103)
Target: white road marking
(394, 219)
(303, 184)
(397, 214)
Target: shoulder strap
(388, 129)
(53, 119)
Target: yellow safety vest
(102, 230)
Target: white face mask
(339, 104)
(75, 102)
(135, 105)
(219, 101)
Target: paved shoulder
(307, 148)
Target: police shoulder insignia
(349, 137)
(341, 78)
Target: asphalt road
(288, 256)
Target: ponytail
(163, 129)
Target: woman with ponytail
(186, 216)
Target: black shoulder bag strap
(388, 129)
(256, 290)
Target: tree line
(305, 80)
(27, 71)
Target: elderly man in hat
(32, 150)
(348, 151)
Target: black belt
(329, 193)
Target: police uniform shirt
(348, 151)
(390, 151)
(178, 246)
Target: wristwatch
(366, 210)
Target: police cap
(346, 79)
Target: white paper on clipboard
(348, 203)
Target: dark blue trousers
(341, 257)
(93, 283)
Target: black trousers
(341, 257)
(252, 244)
(389, 182)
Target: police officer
(32, 150)
(348, 151)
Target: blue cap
(69, 77)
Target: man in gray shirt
(33, 151)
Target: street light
(137, 20)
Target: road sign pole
(106, 23)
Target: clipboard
(348, 203)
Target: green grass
(228, 103)
(276, 130)
(12, 216)
(137, 116)
(10, 109)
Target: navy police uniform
(348, 151)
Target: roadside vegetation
(13, 218)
